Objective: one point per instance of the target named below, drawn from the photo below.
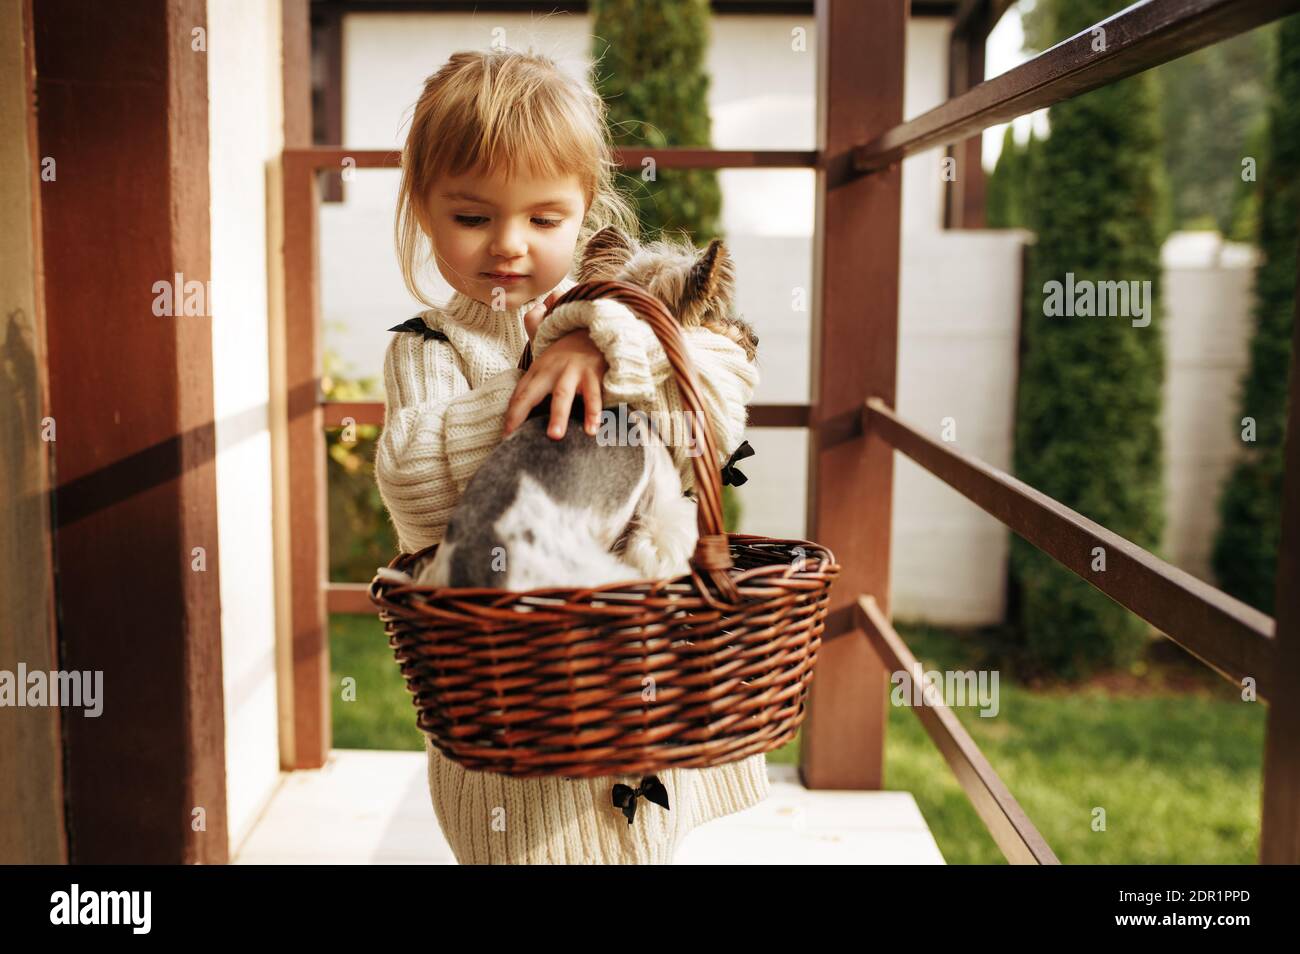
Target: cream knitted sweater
(445, 401)
(445, 404)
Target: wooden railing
(1012, 831)
(853, 429)
(1135, 39)
(1224, 633)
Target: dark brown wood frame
(327, 39)
(964, 195)
(123, 108)
(33, 828)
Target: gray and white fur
(574, 512)
(541, 512)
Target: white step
(372, 807)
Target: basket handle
(712, 551)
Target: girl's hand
(572, 364)
(534, 317)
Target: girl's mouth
(504, 279)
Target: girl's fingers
(534, 317)
(525, 398)
(532, 320)
(591, 401)
(561, 403)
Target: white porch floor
(372, 807)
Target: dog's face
(697, 285)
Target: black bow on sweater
(650, 788)
(730, 475)
(418, 324)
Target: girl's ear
(605, 253)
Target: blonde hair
(505, 111)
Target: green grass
(1171, 754)
(382, 716)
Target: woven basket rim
(383, 589)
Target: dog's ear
(605, 253)
(712, 275)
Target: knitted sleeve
(437, 430)
(640, 375)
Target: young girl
(507, 170)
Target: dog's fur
(573, 513)
(699, 287)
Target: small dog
(576, 512)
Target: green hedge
(650, 61)
(1002, 190)
(1245, 550)
(1008, 197)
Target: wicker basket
(636, 677)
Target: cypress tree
(1009, 195)
(1032, 184)
(1245, 551)
(1089, 399)
(1001, 194)
(650, 71)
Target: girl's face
(485, 230)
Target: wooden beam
(1137, 38)
(920, 8)
(1279, 836)
(671, 157)
(32, 829)
(124, 113)
(327, 121)
(964, 195)
(296, 372)
(854, 349)
(339, 413)
(295, 89)
(1012, 831)
(351, 598)
(1222, 632)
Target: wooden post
(298, 435)
(854, 352)
(32, 830)
(1279, 835)
(964, 195)
(123, 112)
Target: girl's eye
(475, 220)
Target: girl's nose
(509, 242)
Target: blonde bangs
(507, 113)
